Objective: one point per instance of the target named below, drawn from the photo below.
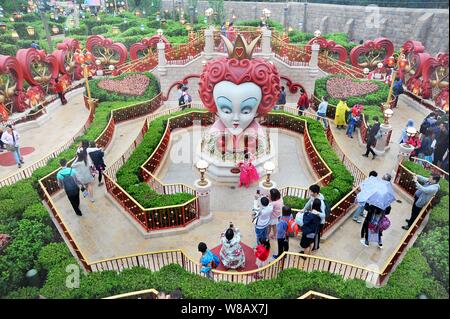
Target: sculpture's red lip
(235, 125)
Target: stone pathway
(56, 131)
(105, 231)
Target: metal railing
(180, 54)
(291, 54)
(156, 260)
(28, 171)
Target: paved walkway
(105, 231)
(63, 123)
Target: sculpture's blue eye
(225, 109)
(246, 110)
(248, 105)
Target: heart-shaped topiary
(135, 84)
(343, 88)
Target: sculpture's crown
(240, 50)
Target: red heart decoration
(239, 51)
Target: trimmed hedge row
(23, 216)
(128, 176)
(342, 182)
(409, 280)
(433, 242)
(105, 95)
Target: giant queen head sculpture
(238, 89)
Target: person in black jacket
(97, 155)
(373, 212)
(371, 140)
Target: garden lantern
(138, 13)
(18, 15)
(269, 167)
(55, 29)
(14, 35)
(98, 18)
(11, 18)
(202, 166)
(290, 29)
(2, 26)
(30, 30)
(115, 30)
(188, 27)
(391, 61)
(387, 115)
(52, 15)
(71, 22)
(142, 27)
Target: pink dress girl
(249, 174)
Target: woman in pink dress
(249, 174)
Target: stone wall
(430, 26)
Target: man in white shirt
(322, 111)
(11, 140)
(262, 218)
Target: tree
(219, 10)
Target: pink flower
(135, 84)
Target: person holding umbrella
(380, 196)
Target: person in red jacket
(60, 90)
(262, 253)
(302, 103)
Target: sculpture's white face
(237, 104)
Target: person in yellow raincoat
(339, 117)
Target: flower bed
(126, 87)
(371, 101)
(135, 85)
(339, 87)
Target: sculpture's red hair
(259, 71)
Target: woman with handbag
(11, 140)
(84, 175)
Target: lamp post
(202, 166)
(2, 26)
(208, 13)
(85, 59)
(268, 168)
(396, 64)
(266, 13)
(191, 15)
(41, 6)
(30, 31)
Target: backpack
(424, 126)
(311, 223)
(181, 100)
(327, 209)
(215, 261)
(378, 135)
(70, 185)
(292, 228)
